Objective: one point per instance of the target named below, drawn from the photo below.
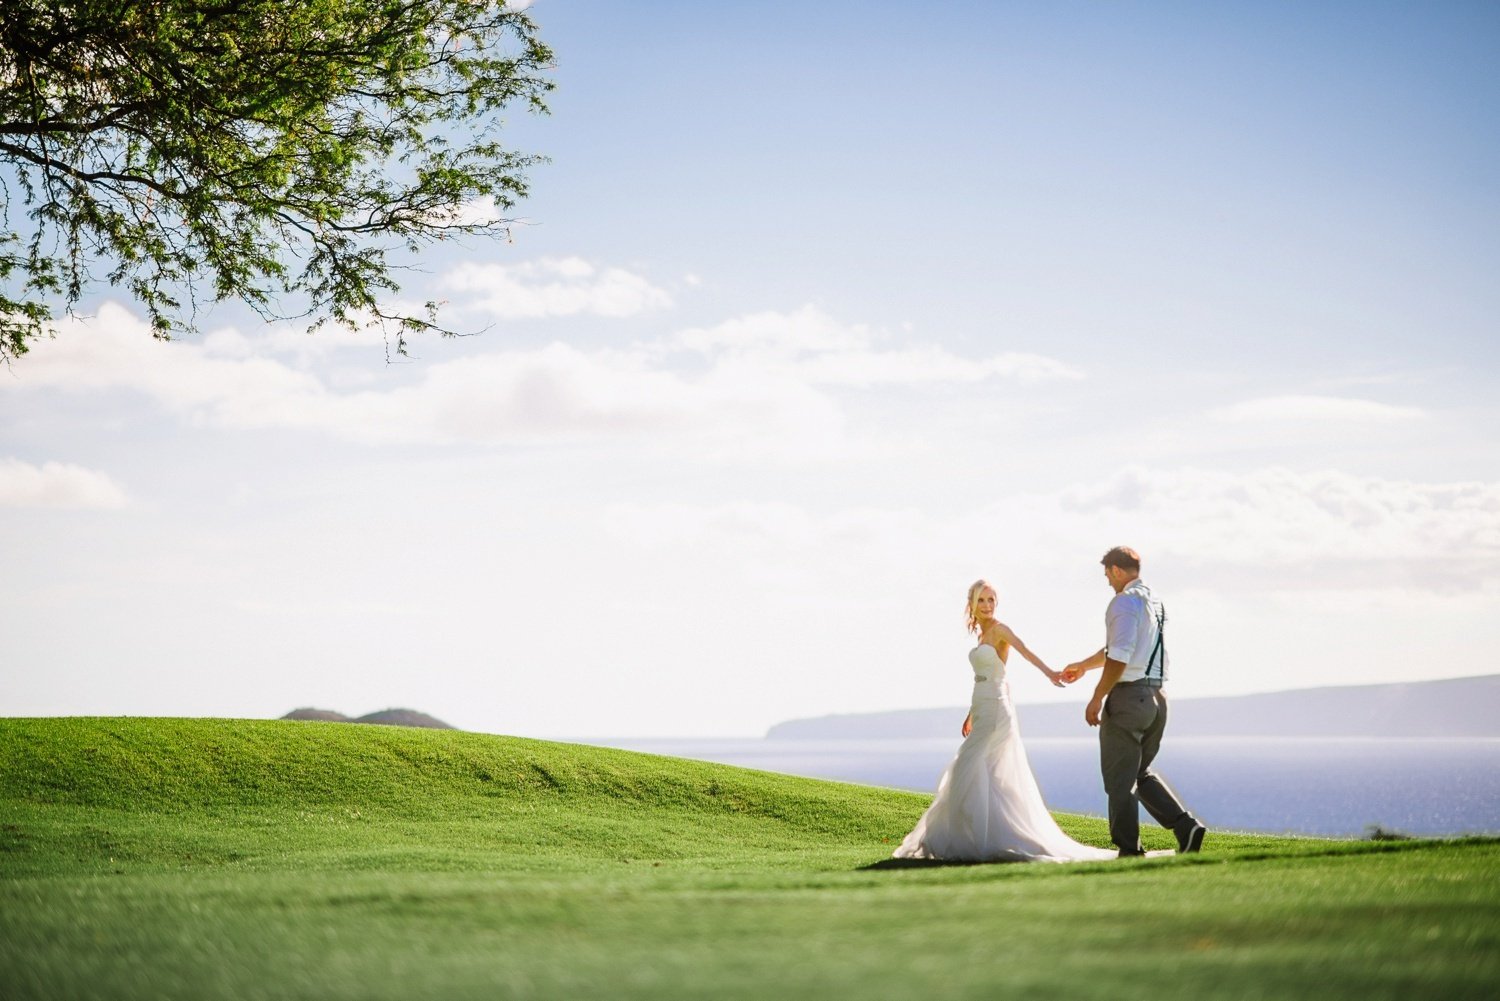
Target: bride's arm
(1078, 669)
(1010, 637)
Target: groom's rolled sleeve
(1121, 628)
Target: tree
(270, 151)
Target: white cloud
(813, 347)
(758, 386)
(292, 339)
(56, 485)
(1315, 409)
(474, 212)
(776, 335)
(561, 391)
(1312, 528)
(764, 529)
(554, 286)
(556, 391)
(1274, 577)
(115, 349)
(1274, 527)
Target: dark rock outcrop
(386, 717)
(402, 717)
(319, 715)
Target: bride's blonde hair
(970, 619)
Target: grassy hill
(136, 795)
(244, 859)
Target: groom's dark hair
(1123, 557)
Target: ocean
(1335, 787)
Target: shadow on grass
(1409, 844)
(925, 863)
(1093, 868)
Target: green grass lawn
(165, 858)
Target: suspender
(1159, 649)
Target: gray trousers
(1130, 731)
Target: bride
(988, 807)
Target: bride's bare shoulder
(997, 634)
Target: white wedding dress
(988, 807)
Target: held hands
(1073, 672)
(1056, 677)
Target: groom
(1130, 708)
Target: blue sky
(1275, 158)
(819, 313)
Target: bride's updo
(971, 621)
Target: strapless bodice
(987, 664)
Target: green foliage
(257, 150)
(204, 859)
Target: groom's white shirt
(1130, 631)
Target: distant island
(386, 717)
(1456, 707)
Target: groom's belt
(1141, 683)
